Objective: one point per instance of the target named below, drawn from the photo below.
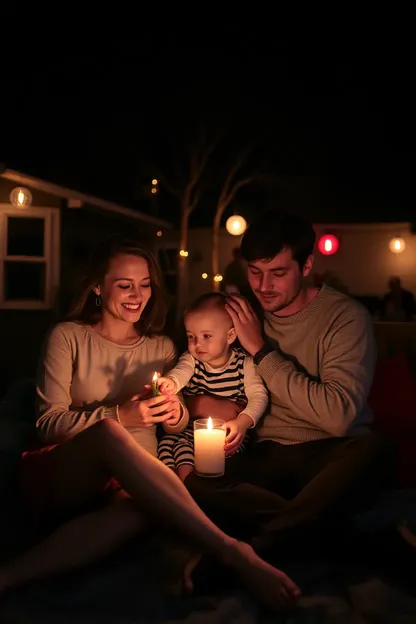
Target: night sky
(330, 117)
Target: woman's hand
(145, 411)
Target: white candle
(155, 387)
(209, 441)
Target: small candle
(209, 441)
(155, 389)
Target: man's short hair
(276, 230)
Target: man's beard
(283, 306)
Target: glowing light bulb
(236, 225)
(397, 245)
(328, 244)
(21, 197)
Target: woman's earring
(98, 301)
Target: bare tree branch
(228, 192)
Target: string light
(155, 186)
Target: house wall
(363, 262)
(22, 331)
(39, 197)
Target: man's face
(277, 281)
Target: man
(398, 303)
(315, 461)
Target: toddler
(212, 366)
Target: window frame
(51, 257)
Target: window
(29, 257)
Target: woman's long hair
(84, 308)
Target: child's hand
(166, 385)
(236, 430)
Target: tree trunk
(182, 272)
(216, 245)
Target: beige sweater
(83, 377)
(320, 375)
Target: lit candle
(155, 389)
(209, 441)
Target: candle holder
(209, 441)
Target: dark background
(328, 108)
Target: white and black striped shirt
(228, 383)
(238, 380)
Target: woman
(100, 433)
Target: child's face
(210, 334)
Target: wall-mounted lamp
(21, 197)
(397, 245)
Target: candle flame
(155, 376)
(209, 424)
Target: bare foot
(187, 574)
(178, 562)
(272, 587)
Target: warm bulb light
(236, 225)
(218, 278)
(328, 244)
(183, 253)
(204, 275)
(397, 245)
(159, 233)
(154, 182)
(21, 197)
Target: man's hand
(246, 323)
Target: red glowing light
(328, 244)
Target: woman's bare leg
(107, 449)
(74, 544)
